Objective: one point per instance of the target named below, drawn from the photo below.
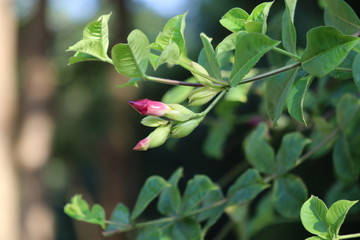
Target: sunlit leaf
(132, 59)
(227, 44)
(234, 19)
(337, 213)
(256, 22)
(214, 69)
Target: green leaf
(150, 233)
(315, 238)
(326, 49)
(313, 217)
(196, 190)
(151, 189)
(277, 89)
(95, 42)
(290, 150)
(178, 94)
(296, 97)
(79, 210)
(289, 193)
(120, 215)
(340, 15)
(238, 93)
(187, 229)
(258, 17)
(288, 28)
(132, 82)
(132, 59)
(246, 187)
(250, 47)
(258, 151)
(227, 44)
(356, 71)
(346, 167)
(213, 214)
(173, 32)
(81, 57)
(214, 68)
(321, 130)
(337, 213)
(170, 199)
(169, 55)
(347, 111)
(234, 20)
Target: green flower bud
(178, 112)
(185, 128)
(200, 78)
(151, 121)
(159, 136)
(202, 95)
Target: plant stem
(212, 105)
(269, 74)
(172, 82)
(343, 69)
(289, 54)
(318, 147)
(225, 230)
(354, 235)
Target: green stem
(224, 230)
(212, 105)
(354, 235)
(289, 54)
(109, 60)
(269, 74)
(172, 82)
(343, 69)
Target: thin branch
(289, 54)
(354, 235)
(173, 82)
(343, 69)
(269, 74)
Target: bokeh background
(68, 129)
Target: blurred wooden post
(9, 196)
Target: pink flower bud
(142, 145)
(149, 107)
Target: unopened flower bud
(149, 107)
(202, 95)
(155, 138)
(151, 121)
(185, 128)
(200, 78)
(179, 113)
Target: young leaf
(234, 20)
(79, 210)
(326, 49)
(238, 93)
(227, 44)
(187, 229)
(132, 59)
(150, 233)
(337, 213)
(258, 151)
(170, 55)
(151, 189)
(246, 187)
(95, 42)
(170, 199)
(315, 238)
(346, 167)
(347, 110)
(290, 150)
(288, 28)
(250, 47)
(313, 217)
(340, 15)
(120, 215)
(296, 97)
(356, 71)
(173, 32)
(214, 69)
(289, 193)
(277, 89)
(195, 191)
(256, 22)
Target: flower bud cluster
(169, 120)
